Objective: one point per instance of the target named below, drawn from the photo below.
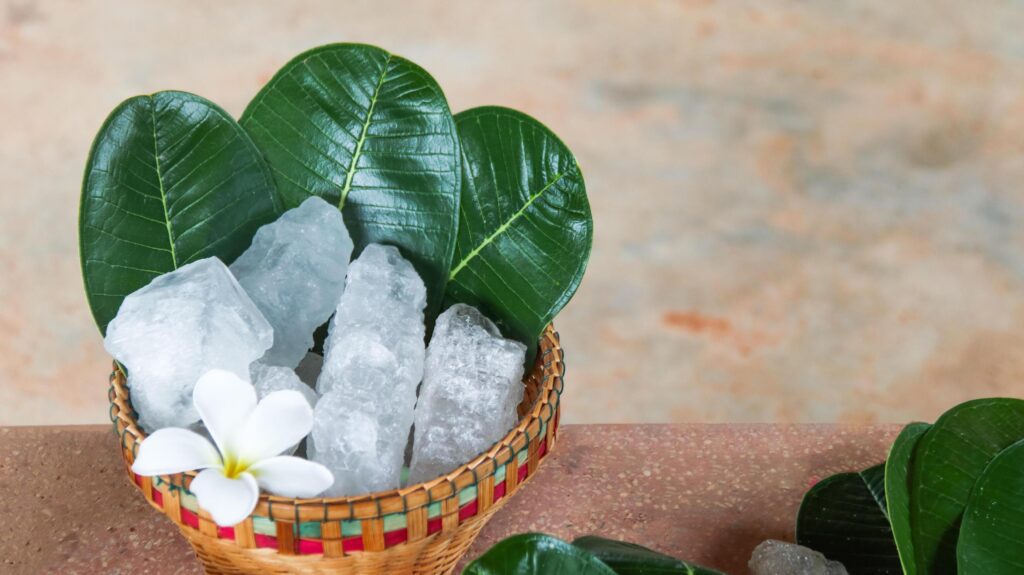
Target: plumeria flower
(249, 439)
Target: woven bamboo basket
(424, 528)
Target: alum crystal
(471, 387)
(178, 327)
(295, 272)
(270, 378)
(780, 558)
(373, 363)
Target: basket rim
(537, 414)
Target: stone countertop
(707, 493)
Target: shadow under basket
(423, 528)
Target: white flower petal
(281, 420)
(173, 450)
(224, 401)
(229, 501)
(291, 476)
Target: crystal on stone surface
(295, 272)
(373, 363)
(270, 378)
(176, 328)
(780, 558)
(471, 387)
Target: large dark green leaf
(897, 491)
(948, 460)
(992, 534)
(371, 133)
(632, 559)
(525, 227)
(536, 554)
(845, 518)
(171, 178)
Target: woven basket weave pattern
(423, 528)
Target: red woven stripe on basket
(354, 543)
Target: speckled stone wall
(804, 211)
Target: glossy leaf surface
(171, 178)
(371, 133)
(992, 534)
(845, 518)
(525, 227)
(948, 460)
(631, 559)
(536, 554)
(897, 491)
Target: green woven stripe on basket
(263, 526)
(353, 527)
(467, 495)
(394, 521)
(188, 501)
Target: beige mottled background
(805, 211)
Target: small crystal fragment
(270, 378)
(179, 326)
(295, 273)
(471, 387)
(780, 558)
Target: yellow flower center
(233, 467)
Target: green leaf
(536, 554)
(845, 518)
(171, 178)
(992, 535)
(525, 227)
(632, 559)
(948, 460)
(371, 133)
(897, 491)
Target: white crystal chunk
(780, 558)
(472, 384)
(270, 378)
(295, 272)
(373, 363)
(178, 327)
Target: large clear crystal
(471, 387)
(373, 363)
(295, 273)
(178, 327)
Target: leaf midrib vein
(362, 135)
(878, 501)
(503, 227)
(160, 181)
